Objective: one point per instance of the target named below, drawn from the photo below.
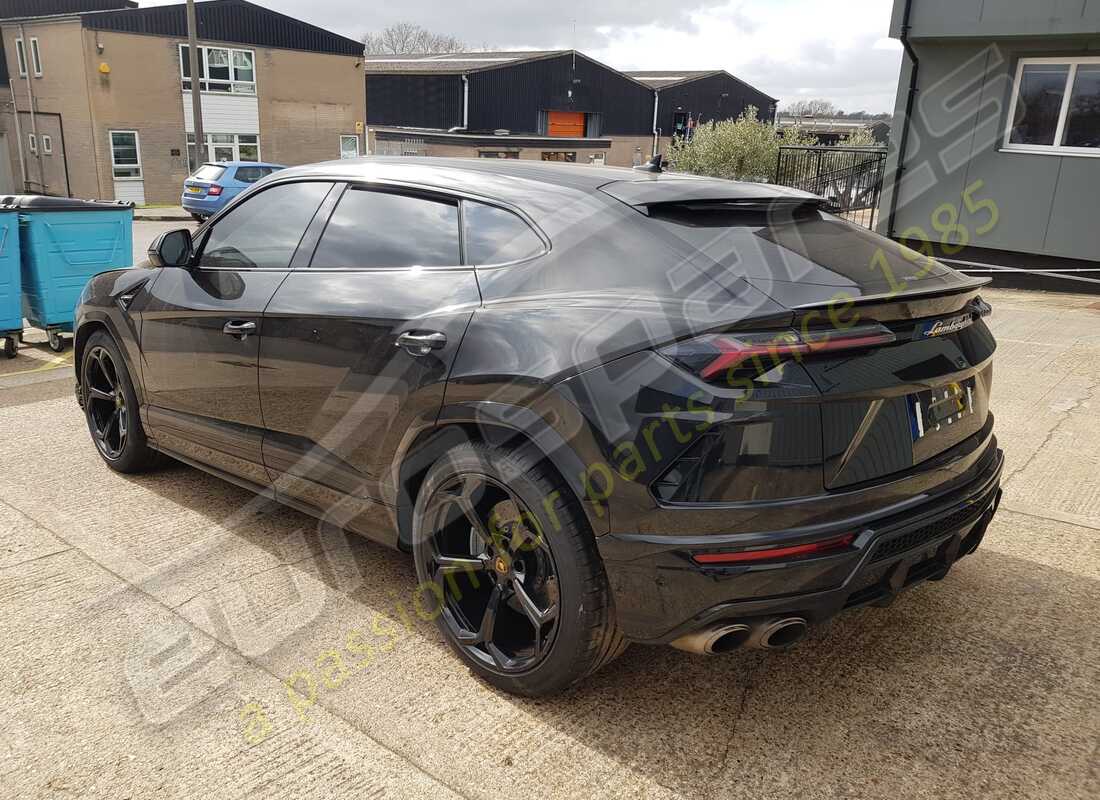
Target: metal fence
(850, 178)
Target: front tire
(111, 407)
(56, 341)
(509, 568)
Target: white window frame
(32, 144)
(47, 145)
(236, 87)
(345, 136)
(1059, 132)
(137, 147)
(36, 57)
(21, 57)
(207, 158)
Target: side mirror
(171, 249)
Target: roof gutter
(903, 139)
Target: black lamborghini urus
(596, 406)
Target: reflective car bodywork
(569, 351)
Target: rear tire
(111, 407)
(56, 341)
(10, 346)
(199, 218)
(554, 620)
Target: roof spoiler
(653, 165)
(674, 187)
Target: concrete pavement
(153, 624)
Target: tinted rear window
(252, 174)
(209, 172)
(496, 236)
(801, 244)
(381, 229)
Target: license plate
(194, 189)
(935, 409)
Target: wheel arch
(88, 326)
(500, 424)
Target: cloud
(787, 48)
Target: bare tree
(811, 108)
(409, 38)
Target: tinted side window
(494, 236)
(252, 174)
(382, 229)
(265, 229)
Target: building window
(224, 147)
(125, 155)
(349, 146)
(47, 144)
(36, 57)
(1056, 106)
(560, 156)
(224, 70)
(21, 57)
(32, 144)
(498, 154)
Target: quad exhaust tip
(715, 641)
(774, 634)
(783, 633)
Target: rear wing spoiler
(679, 189)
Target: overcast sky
(835, 49)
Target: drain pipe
(18, 135)
(28, 60)
(656, 97)
(465, 102)
(903, 139)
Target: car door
(200, 332)
(357, 348)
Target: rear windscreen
(801, 244)
(209, 172)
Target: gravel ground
(151, 625)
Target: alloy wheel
(492, 573)
(105, 402)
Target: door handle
(420, 344)
(239, 328)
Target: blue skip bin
(11, 304)
(64, 242)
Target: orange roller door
(566, 123)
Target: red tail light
(717, 354)
(214, 190)
(776, 553)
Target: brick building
(102, 94)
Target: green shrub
(743, 149)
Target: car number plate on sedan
(194, 189)
(934, 409)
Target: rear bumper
(661, 594)
(201, 205)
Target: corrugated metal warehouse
(555, 105)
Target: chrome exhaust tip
(781, 633)
(714, 641)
